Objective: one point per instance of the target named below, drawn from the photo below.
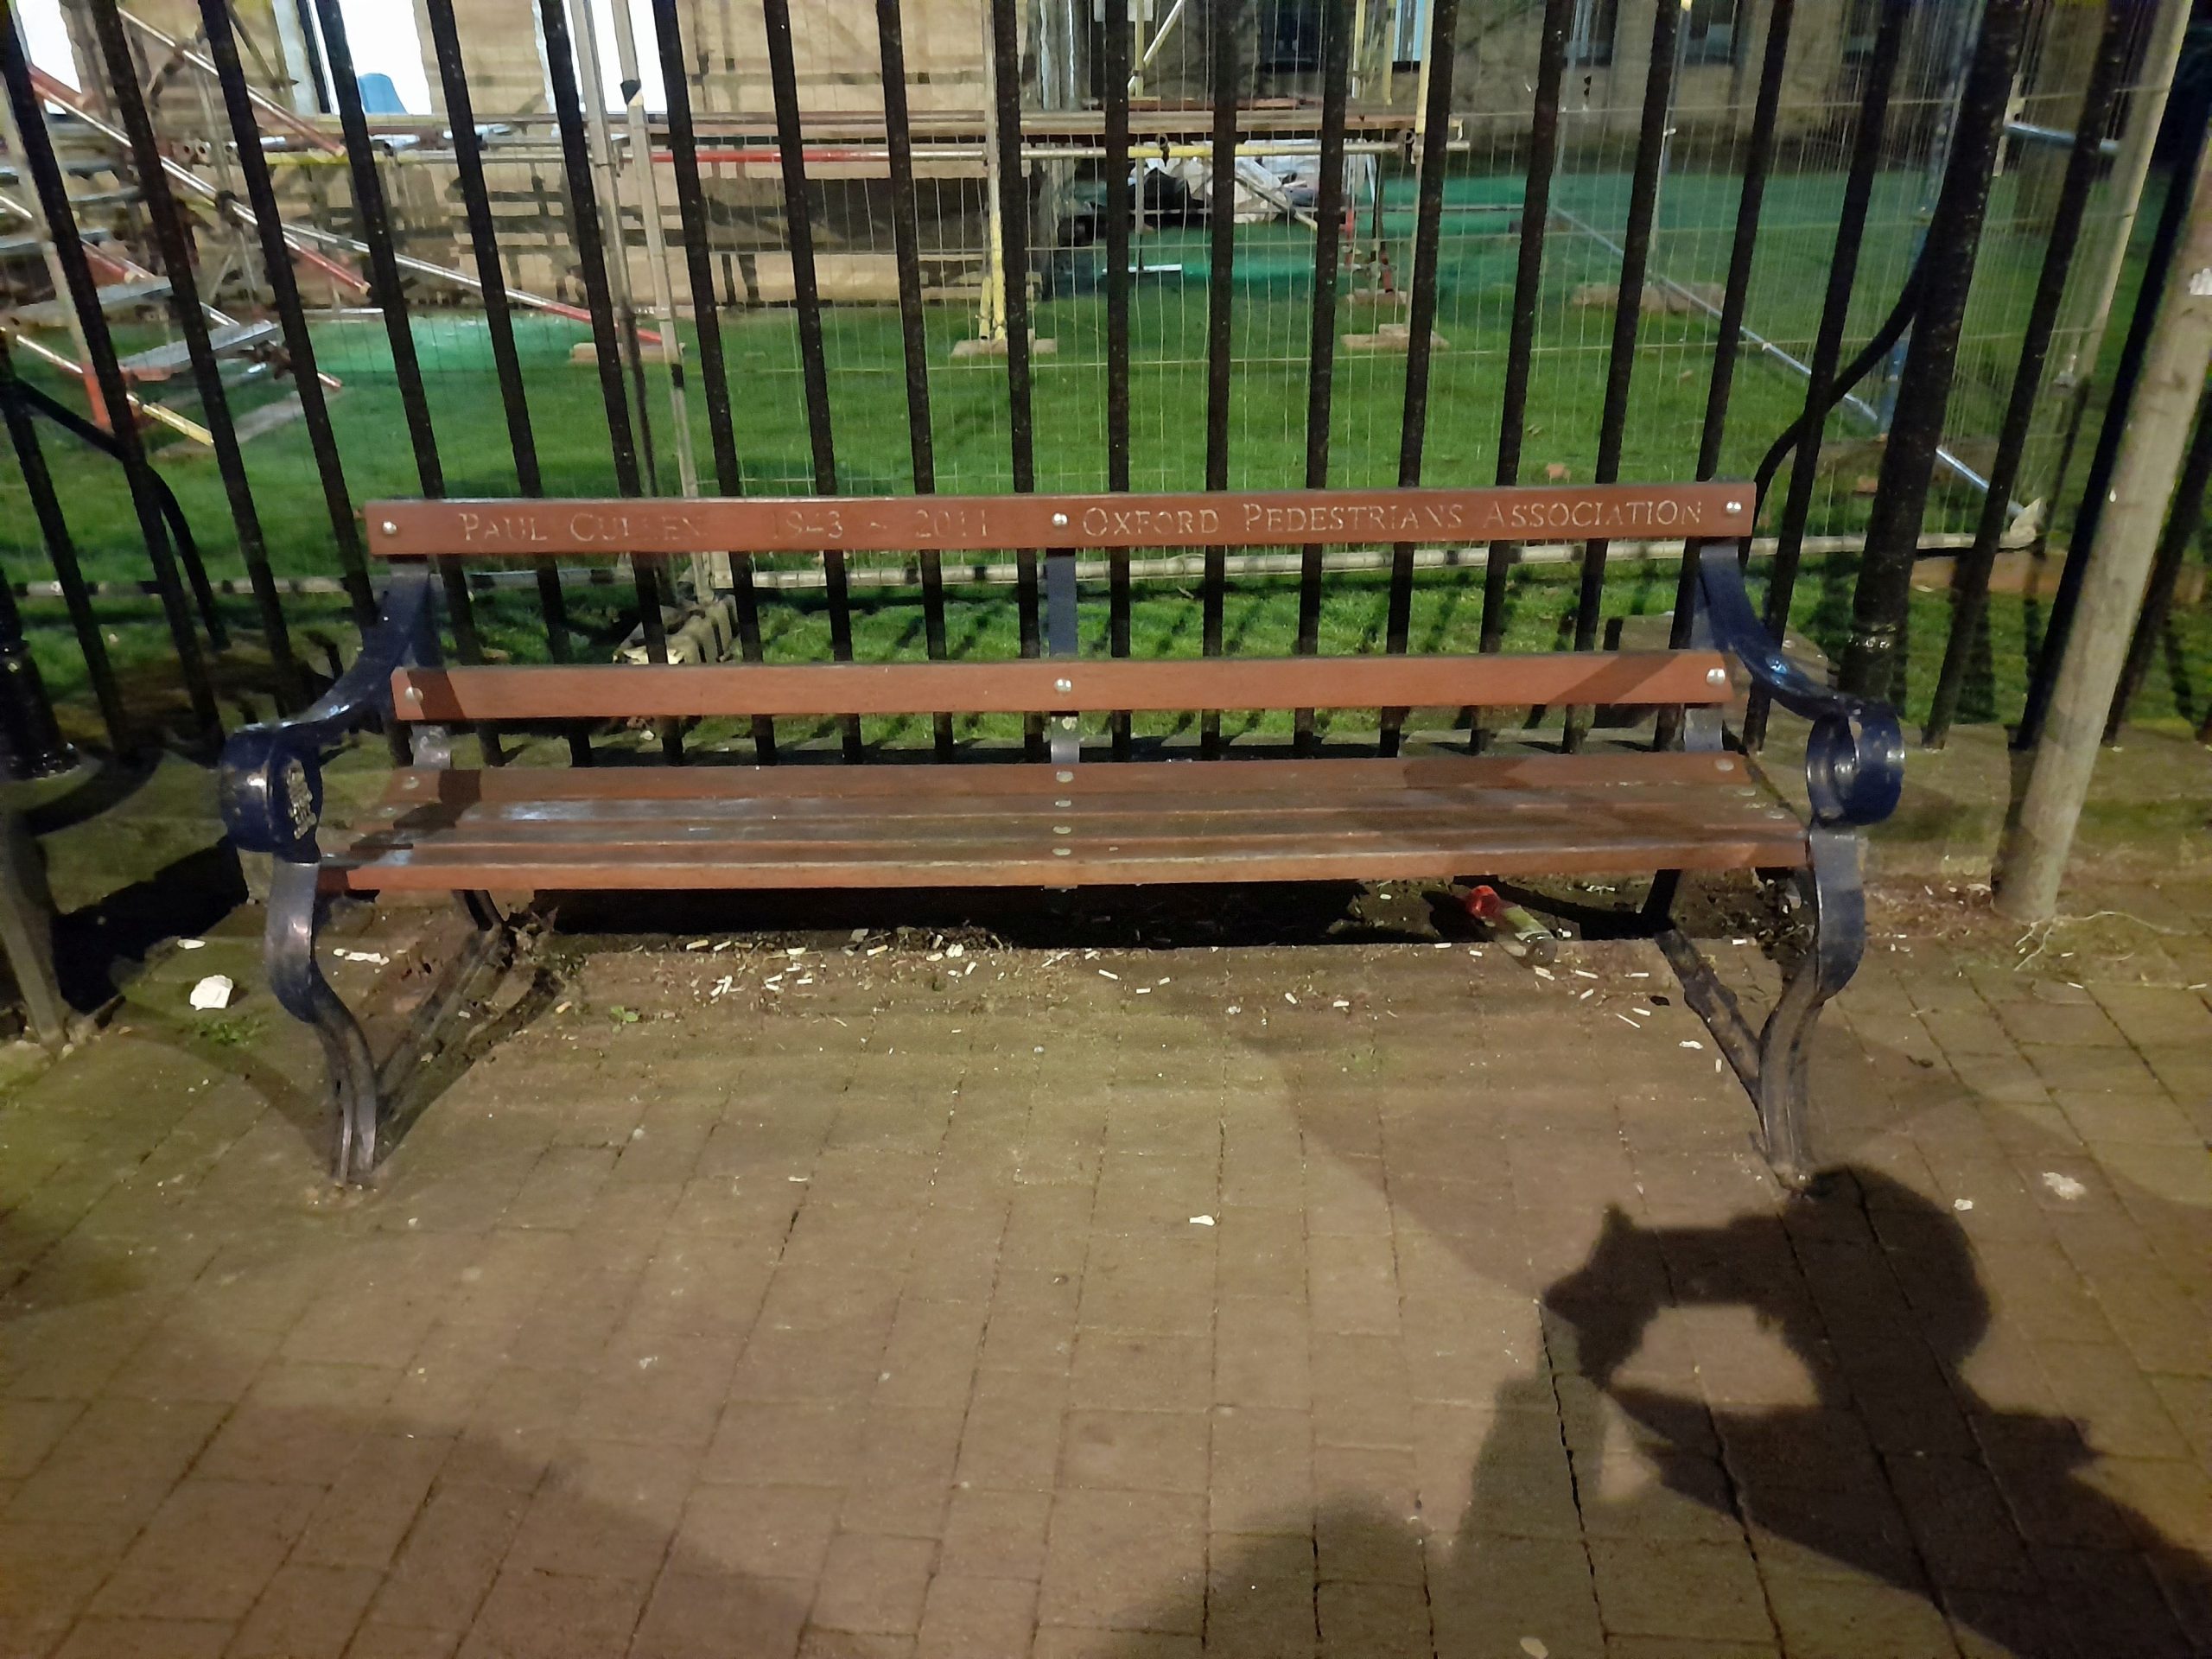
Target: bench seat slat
(1345, 820)
(609, 692)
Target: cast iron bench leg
(1773, 1063)
(295, 978)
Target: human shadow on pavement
(1897, 1469)
(1888, 1469)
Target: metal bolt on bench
(1063, 823)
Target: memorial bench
(1068, 818)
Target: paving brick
(908, 1455)
(305, 1612)
(695, 1615)
(871, 1583)
(1262, 1474)
(1135, 1451)
(605, 1509)
(1495, 1595)
(30, 1429)
(993, 1534)
(1262, 1348)
(1260, 1598)
(1125, 1560)
(1386, 1621)
(1708, 1591)
(1826, 1617)
(209, 1550)
(977, 1618)
(374, 1641)
(1014, 1431)
(450, 1558)
(1360, 1394)
(553, 1615)
(362, 1517)
(114, 1464)
(787, 1444)
(1142, 1371)
(146, 1638)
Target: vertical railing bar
(1874, 656)
(1119, 209)
(914, 341)
(167, 226)
(806, 297)
(1970, 578)
(291, 313)
(648, 574)
(498, 323)
(2159, 258)
(1828, 341)
(1321, 340)
(1014, 274)
(1528, 284)
(1443, 21)
(2188, 516)
(62, 550)
(1221, 275)
(45, 170)
(1758, 162)
(1628, 322)
(713, 370)
(375, 216)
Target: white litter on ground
(216, 990)
(2064, 1185)
(192, 944)
(1201, 1221)
(370, 956)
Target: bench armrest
(1854, 760)
(270, 785)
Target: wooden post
(2032, 857)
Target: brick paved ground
(994, 1306)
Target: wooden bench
(1068, 818)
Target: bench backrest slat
(1040, 686)
(577, 528)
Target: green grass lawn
(1272, 318)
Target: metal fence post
(1873, 661)
(1970, 581)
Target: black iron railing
(1883, 105)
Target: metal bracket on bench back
(1065, 733)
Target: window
(47, 38)
(1709, 31)
(1861, 19)
(1409, 41)
(387, 55)
(1590, 36)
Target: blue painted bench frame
(271, 791)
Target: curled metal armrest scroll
(1854, 760)
(270, 785)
